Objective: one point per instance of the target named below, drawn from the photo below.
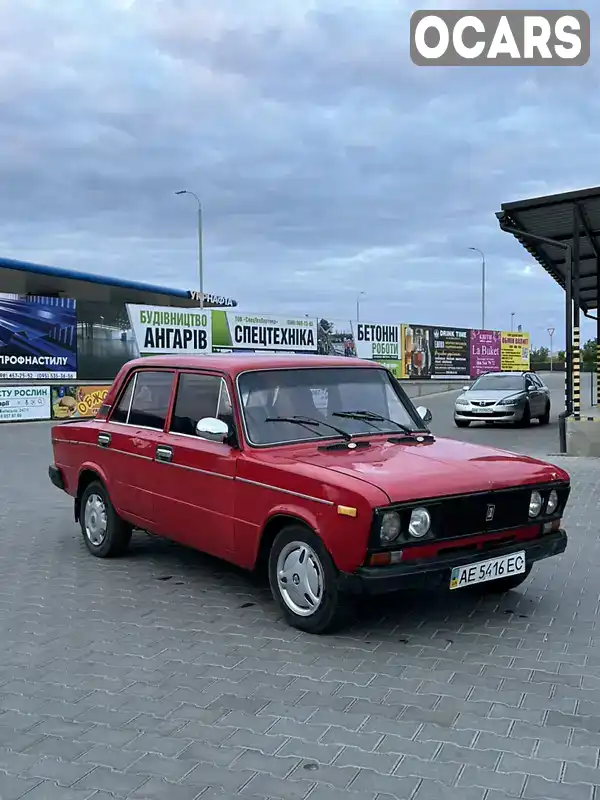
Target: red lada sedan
(319, 469)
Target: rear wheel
(545, 418)
(462, 423)
(104, 532)
(304, 581)
(503, 585)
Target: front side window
(145, 401)
(200, 396)
(323, 396)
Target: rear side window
(200, 396)
(145, 401)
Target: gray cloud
(327, 162)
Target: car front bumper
(435, 573)
(498, 414)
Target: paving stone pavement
(167, 675)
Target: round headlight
(390, 527)
(535, 504)
(552, 504)
(420, 522)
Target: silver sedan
(516, 397)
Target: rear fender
(87, 466)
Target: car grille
(482, 403)
(466, 515)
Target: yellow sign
(77, 402)
(514, 351)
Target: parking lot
(168, 675)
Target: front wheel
(104, 532)
(526, 418)
(303, 580)
(502, 585)
(545, 418)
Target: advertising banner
(335, 338)
(77, 402)
(417, 351)
(395, 367)
(484, 352)
(450, 352)
(514, 351)
(259, 332)
(170, 330)
(38, 338)
(20, 403)
(378, 342)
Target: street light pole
(551, 334)
(512, 319)
(200, 247)
(358, 296)
(477, 250)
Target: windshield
(320, 394)
(500, 383)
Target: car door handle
(104, 439)
(164, 453)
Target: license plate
(477, 410)
(489, 570)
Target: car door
(195, 502)
(130, 438)
(536, 395)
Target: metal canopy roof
(553, 217)
(24, 277)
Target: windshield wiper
(309, 422)
(371, 416)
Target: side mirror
(466, 388)
(212, 428)
(425, 414)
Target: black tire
(502, 585)
(462, 423)
(333, 610)
(96, 505)
(526, 418)
(545, 418)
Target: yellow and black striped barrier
(576, 372)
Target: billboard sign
(376, 341)
(260, 332)
(484, 352)
(38, 338)
(514, 351)
(180, 331)
(77, 402)
(24, 403)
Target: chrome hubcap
(94, 519)
(300, 578)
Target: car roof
(506, 372)
(235, 363)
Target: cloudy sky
(327, 163)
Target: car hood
(494, 395)
(443, 467)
